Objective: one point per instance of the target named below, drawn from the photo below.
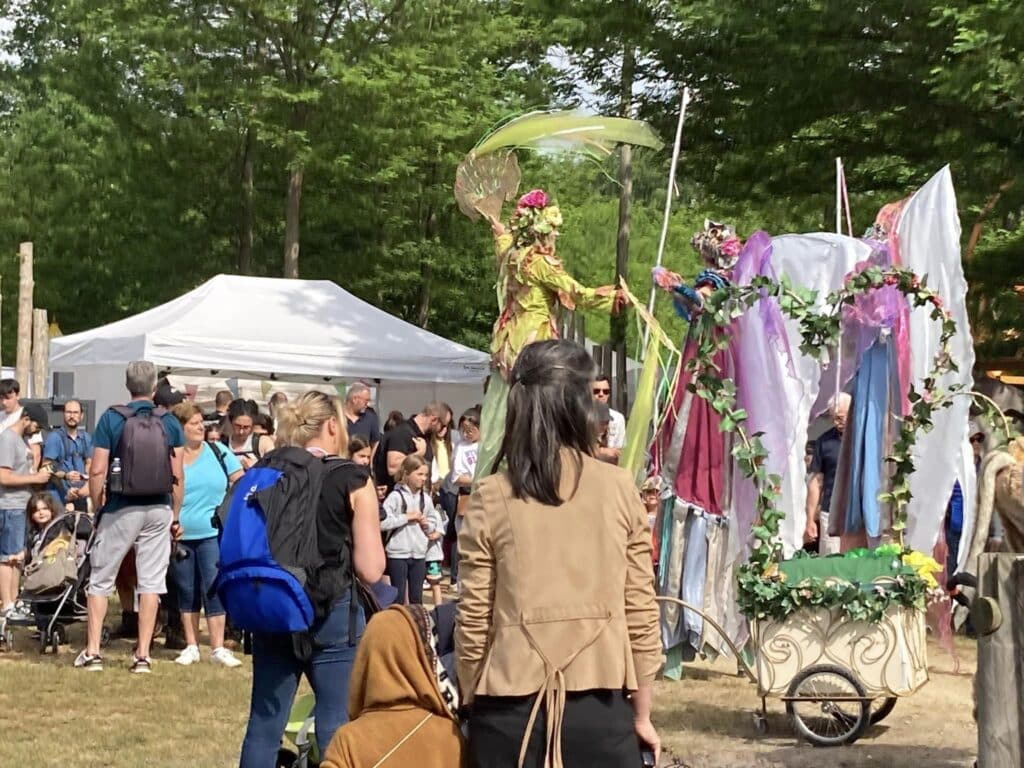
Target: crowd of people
(156, 470)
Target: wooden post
(40, 352)
(25, 287)
(999, 683)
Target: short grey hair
(357, 389)
(140, 378)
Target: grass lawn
(53, 715)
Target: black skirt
(597, 731)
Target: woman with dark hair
(243, 441)
(571, 649)
(394, 419)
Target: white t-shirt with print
(12, 418)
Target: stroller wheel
(44, 641)
(9, 639)
(104, 637)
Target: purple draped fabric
(763, 371)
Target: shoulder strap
(123, 410)
(223, 464)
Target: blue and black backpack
(269, 554)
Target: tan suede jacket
(557, 599)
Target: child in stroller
(56, 569)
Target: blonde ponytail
(300, 421)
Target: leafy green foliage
(127, 129)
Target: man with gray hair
(136, 483)
(822, 478)
(361, 418)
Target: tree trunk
(426, 270)
(291, 223)
(25, 289)
(618, 324)
(40, 352)
(245, 230)
(1, 314)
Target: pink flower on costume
(535, 198)
(665, 279)
(731, 247)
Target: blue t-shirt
(108, 435)
(68, 455)
(205, 484)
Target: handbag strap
(402, 741)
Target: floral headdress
(717, 244)
(534, 217)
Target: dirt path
(706, 721)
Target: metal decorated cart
(836, 676)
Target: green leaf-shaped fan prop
(489, 175)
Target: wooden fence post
(25, 287)
(40, 352)
(999, 682)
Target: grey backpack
(144, 452)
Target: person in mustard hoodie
(557, 640)
(402, 703)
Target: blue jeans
(12, 533)
(275, 678)
(194, 577)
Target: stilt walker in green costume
(533, 286)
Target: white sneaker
(224, 658)
(188, 656)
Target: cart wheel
(104, 637)
(880, 712)
(760, 724)
(9, 639)
(828, 706)
(44, 641)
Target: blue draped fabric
(867, 422)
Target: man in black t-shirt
(822, 477)
(413, 436)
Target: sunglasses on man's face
(978, 439)
(599, 391)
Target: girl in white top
(461, 478)
(410, 518)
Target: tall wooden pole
(1, 315)
(998, 617)
(25, 288)
(40, 352)
(618, 324)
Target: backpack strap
(223, 464)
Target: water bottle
(116, 482)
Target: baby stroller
(56, 577)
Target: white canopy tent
(270, 330)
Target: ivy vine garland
(763, 592)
